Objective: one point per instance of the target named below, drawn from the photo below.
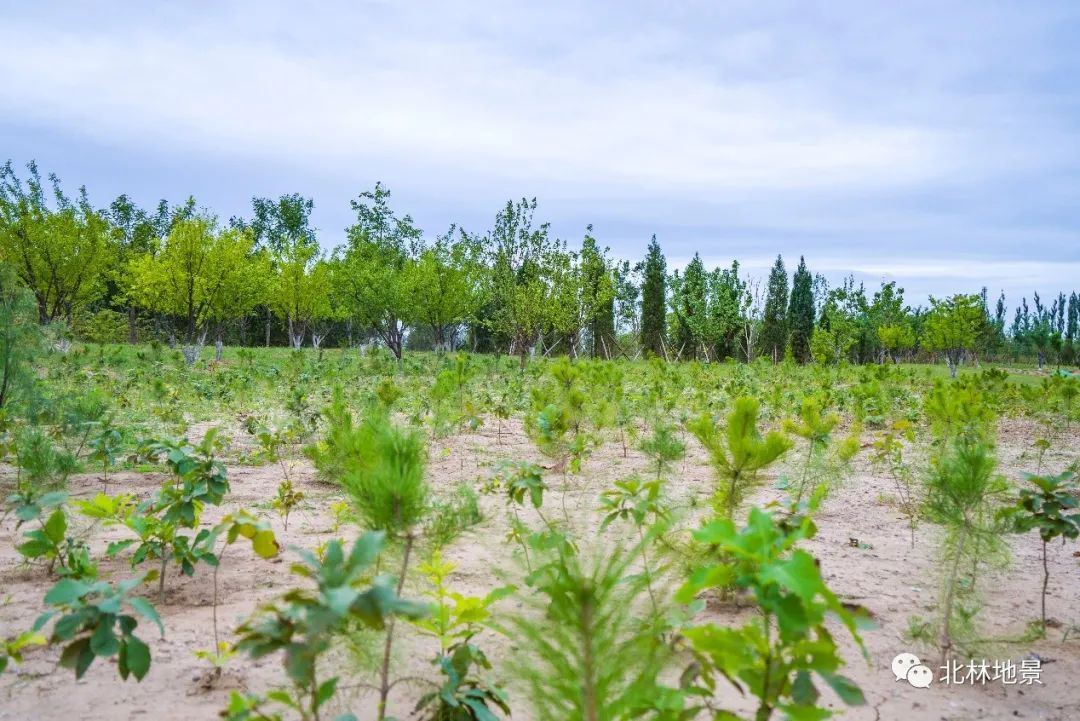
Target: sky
(934, 144)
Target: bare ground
(883, 572)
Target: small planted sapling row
(105, 448)
(1051, 508)
(524, 482)
(199, 478)
(640, 503)
(89, 621)
(384, 480)
(663, 447)
(302, 624)
(777, 656)
(583, 651)
(889, 452)
(453, 620)
(234, 526)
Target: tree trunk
(1046, 582)
(133, 329)
(268, 327)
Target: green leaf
(138, 657)
(799, 575)
(802, 689)
(480, 711)
(56, 526)
(845, 688)
(78, 656)
(264, 544)
(103, 641)
(147, 610)
(65, 591)
(325, 691)
(805, 713)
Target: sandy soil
(884, 573)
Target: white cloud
(842, 131)
(479, 107)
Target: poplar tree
(653, 305)
(774, 322)
(801, 312)
(599, 292)
(689, 302)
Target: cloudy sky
(931, 143)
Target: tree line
(176, 272)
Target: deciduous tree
(952, 327)
(60, 253)
(377, 268)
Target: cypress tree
(653, 302)
(801, 312)
(774, 327)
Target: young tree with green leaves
(1051, 506)
(838, 329)
(627, 297)
(520, 256)
(896, 339)
(774, 321)
(377, 268)
(300, 292)
(654, 301)
(448, 284)
(952, 327)
(568, 313)
(689, 302)
(738, 452)
(135, 232)
(282, 227)
(727, 311)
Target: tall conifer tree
(774, 325)
(801, 312)
(653, 305)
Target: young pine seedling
(663, 447)
(963, 494)
(738, 452)
(815, 428)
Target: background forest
(178, 274)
